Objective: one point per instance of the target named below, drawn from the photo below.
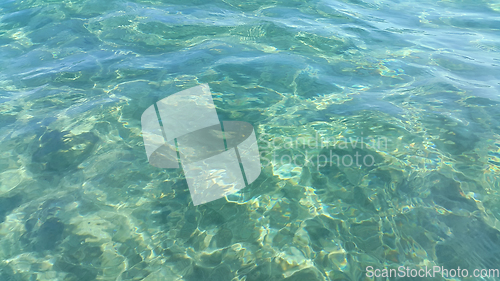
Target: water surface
(79, 201)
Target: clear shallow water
(78, 200)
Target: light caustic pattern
(80, 200)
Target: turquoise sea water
(412, 87)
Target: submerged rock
(7, 204)
(61, 151)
